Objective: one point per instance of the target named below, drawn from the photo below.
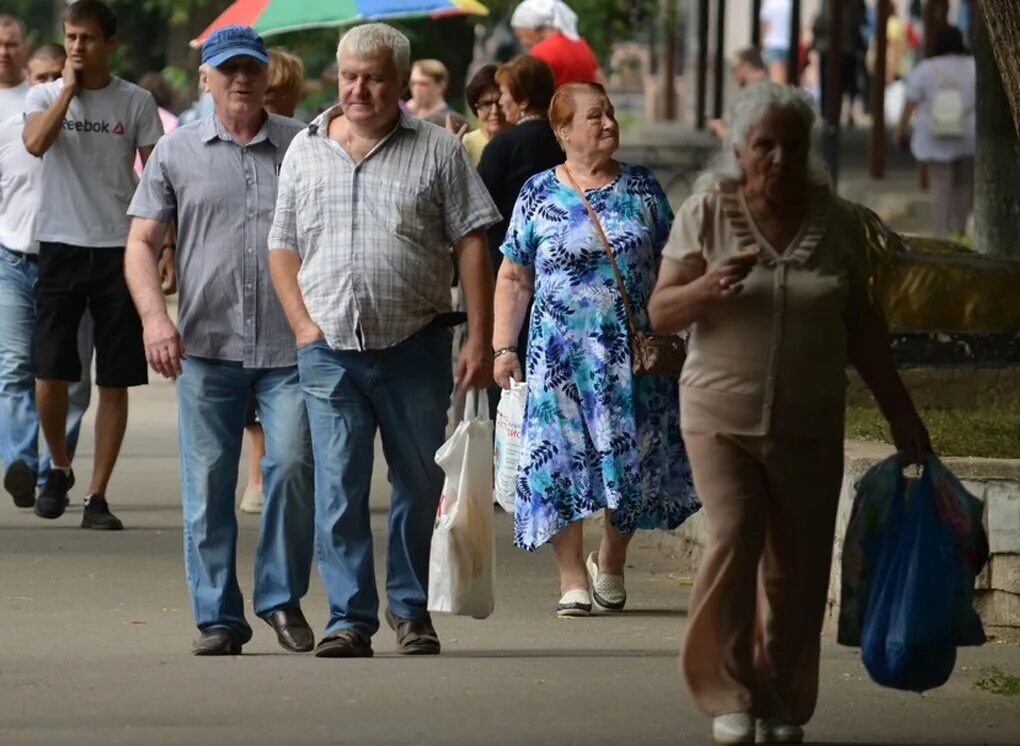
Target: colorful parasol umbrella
(270, 17)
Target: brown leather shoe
(292, 631)
(344, 644)
(414, 636)
(216, 641)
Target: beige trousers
(758, 603)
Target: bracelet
(169, 247)
(504, 351)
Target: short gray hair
(372, 38)
(747, 111)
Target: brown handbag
(651, 353)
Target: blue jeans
(403, 392)
(211, 397)
(19, 422)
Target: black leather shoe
(19, 481)
(292, 631)
(414, 636)
(53, 499)
(216, 641)
(344, 644)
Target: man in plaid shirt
(370, 201)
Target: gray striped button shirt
(374, 238)
(222, 195)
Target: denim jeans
(211, 397)
(403, 393)
(19, 422)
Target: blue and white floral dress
(594, 435)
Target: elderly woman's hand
(506, 367)
(911, 437)
(723, 279)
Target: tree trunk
(1002, 23)
(996, 188)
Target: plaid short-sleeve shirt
(374, 237)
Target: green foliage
(990, 431)
(994, 681)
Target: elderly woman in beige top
(768, 270)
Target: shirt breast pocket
(407, 210)
(309, 211)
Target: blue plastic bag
(877, 491)
(907, 637)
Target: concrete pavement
(95, 632)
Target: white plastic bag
(507, 452)
(463, 558)
(895, 100)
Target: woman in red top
(547, 29)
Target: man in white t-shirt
(20, 195)
(87, 127)
(13, 55)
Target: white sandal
(607, 590)
(575, 602)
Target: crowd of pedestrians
(314, 265)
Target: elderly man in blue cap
(217, 179)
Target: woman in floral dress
(595, 436)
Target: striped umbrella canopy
(270, 17)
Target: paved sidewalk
(95, 632)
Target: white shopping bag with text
(463, 558)
(507, 451)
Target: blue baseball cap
(233, 41)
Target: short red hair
(564, 102)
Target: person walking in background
(286, 83)
(547, 29)
(595, 437)
(429, 79)
(20, 197)
(941, 92)
(371, 200)
(163, 95)
(87, 128)
(853, 46)
(286, 74)
(774, 20)
(768, 270)
(748, 67)
(217, 177)
(483, 99)
(13, 55)
(512, 157)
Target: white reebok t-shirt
(12, 100)
(777, 14)
(20, 179)
(88, 173)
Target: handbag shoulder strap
(609, 250)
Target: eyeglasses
(484, 104)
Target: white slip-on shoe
(735, 727)
(774, 730)
(576, 602)
(252, 501)
(607, 590)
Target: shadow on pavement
(561, 653)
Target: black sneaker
(52, 499)
(97, 515)
(20, 482)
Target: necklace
(530, 118)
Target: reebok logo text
(86, 126)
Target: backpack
(948, 115)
